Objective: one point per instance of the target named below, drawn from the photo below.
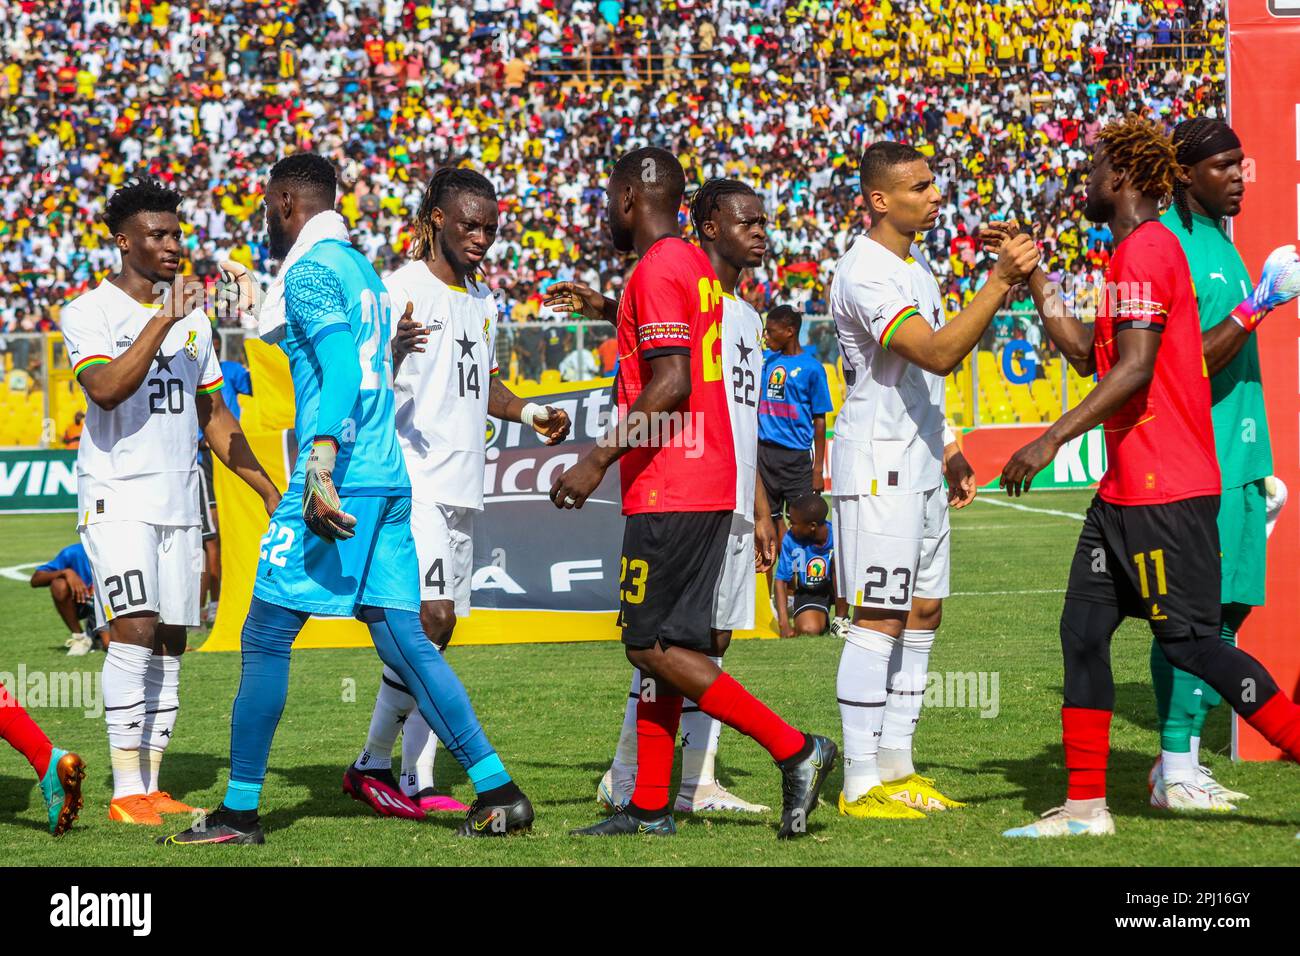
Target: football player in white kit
(445, 387)
(731, 227)
(143, 354)
(892, 453)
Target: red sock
(726, 700)
(1086, 734)
(1278, 720)
(21, 731)
(656, 740)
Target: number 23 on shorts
(631, 578)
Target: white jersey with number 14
(442, 393)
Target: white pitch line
(1037, 511)
(22, 573)
(987, 593)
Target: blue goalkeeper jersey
(333, 287)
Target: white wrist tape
(948, 436)
(531, 412)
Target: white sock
(1178, 768)
(1196, 750)
(624, 765)
(125, 667)
(162, 704)
(700, 734)
(909, 664)
(860, 687)
(392, 706)
(419, 745)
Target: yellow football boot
(919, 793)
(875, 804)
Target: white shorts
(145, 567)
(891, 548)
(444, 543)
(733, 597)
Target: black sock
(242, 819)
(641, 813)
(803, 753)
(508, 792)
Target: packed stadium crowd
(541, 95)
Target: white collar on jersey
(322, 226)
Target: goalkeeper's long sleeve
(340, 383)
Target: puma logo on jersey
(1156, 615)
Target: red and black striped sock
(21, 731)
(1086, 735)
(656, 742)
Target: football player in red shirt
(1150, 541)
(678, 472)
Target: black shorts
(670, 568)
(207, 501)
(786, 474)
(1156, 562)
(812, 601)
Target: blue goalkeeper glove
(1279, 283)
(321, 510)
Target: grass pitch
(553, 711)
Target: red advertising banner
(1264, 109)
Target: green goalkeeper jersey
(1236, 392)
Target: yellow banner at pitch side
(540, 574)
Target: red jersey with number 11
(1160, 444)
(685, 462)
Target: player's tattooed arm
(1137, 361)
(586, 301)
(1072, 337)
(226, 439)
(110, 384)
(548, 421)
(668, 387)
(765, 539)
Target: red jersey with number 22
(1160, 444)
(673, 305)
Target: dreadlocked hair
(139, 195)
(709, 196)
(443, 184)
(1140, 149)
(1188, 137)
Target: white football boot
(713, 796)
(1205, 780)
(1057, 822)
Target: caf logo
(776, 384)
(491, 431)
(815, 572)
(192, 346)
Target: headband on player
(1220, 139)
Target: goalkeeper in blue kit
(340, 542)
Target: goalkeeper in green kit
(1210, 190)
